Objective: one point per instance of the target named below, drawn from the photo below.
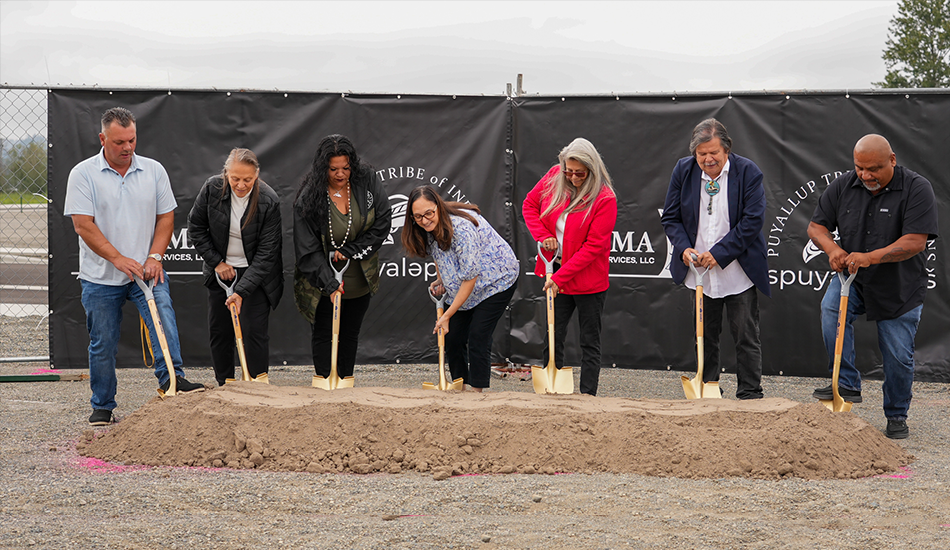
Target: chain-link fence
(24, 242)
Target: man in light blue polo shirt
(123, 209)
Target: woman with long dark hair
(340, 209)
(571, 212)
(476, 267)
(235, 227)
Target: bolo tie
(712, 189)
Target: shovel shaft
(239, 342)
(442, 381)
(163, 343)
(700, 352)
(839, 344)
(335, 343)
(549, 297)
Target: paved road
(23, 227)
(24, 277)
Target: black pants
(321, 335)
(254, 318)
(468, 342)
(590, 309)
(742, 311)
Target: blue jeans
(103, 305)
(895, 338)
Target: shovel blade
(711, 390)
(262, 377)
(458, 384)
(691, 388)
(539, 380)
(429, 386)
(551, 380)
(844, 406)
(331, 382)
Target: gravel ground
(55, 499)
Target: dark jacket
(313, 276)
(209, 224)
(743, 243)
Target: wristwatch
(156, 257)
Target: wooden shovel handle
(163, 343)
(335, 343)
(549, 298)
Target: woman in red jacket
(572, 212)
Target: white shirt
(235, 257)
(559, 231)
(718, 282)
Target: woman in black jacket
(340, 208)
(235, 226)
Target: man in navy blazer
(715, 209)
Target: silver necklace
(349, 217)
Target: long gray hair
(245, 156)
(561, 190)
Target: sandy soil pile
(367, 430)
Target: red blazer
(585, 256)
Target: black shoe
(897, 429)
(183, 386)
(826, 394)
(103, 417)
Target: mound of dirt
(366, 430)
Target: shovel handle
(846, 282)
(439, 300)
(229, 290)
(548, 265)
(146, 287)
(549, 298)
(338, 275)
(159, 330)
(695, 270)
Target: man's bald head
(873, 144)
(874, 162)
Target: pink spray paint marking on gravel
(904, 473)
(96, 465)
(47, 371)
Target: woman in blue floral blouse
(476, 267)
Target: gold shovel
(695, 388)
(444, 384)
(334, 381)
(238, 336)
(162, 341)
(837, 404)
(550, 379)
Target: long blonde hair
(560, 190)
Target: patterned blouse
(475, 252)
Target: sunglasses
(569, 174)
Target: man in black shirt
(884, 214)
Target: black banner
(491, 151)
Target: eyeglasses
(427, 215)
(579, 173)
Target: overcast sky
(447, 47)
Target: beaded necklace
(349, 217)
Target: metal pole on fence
(25, 359)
